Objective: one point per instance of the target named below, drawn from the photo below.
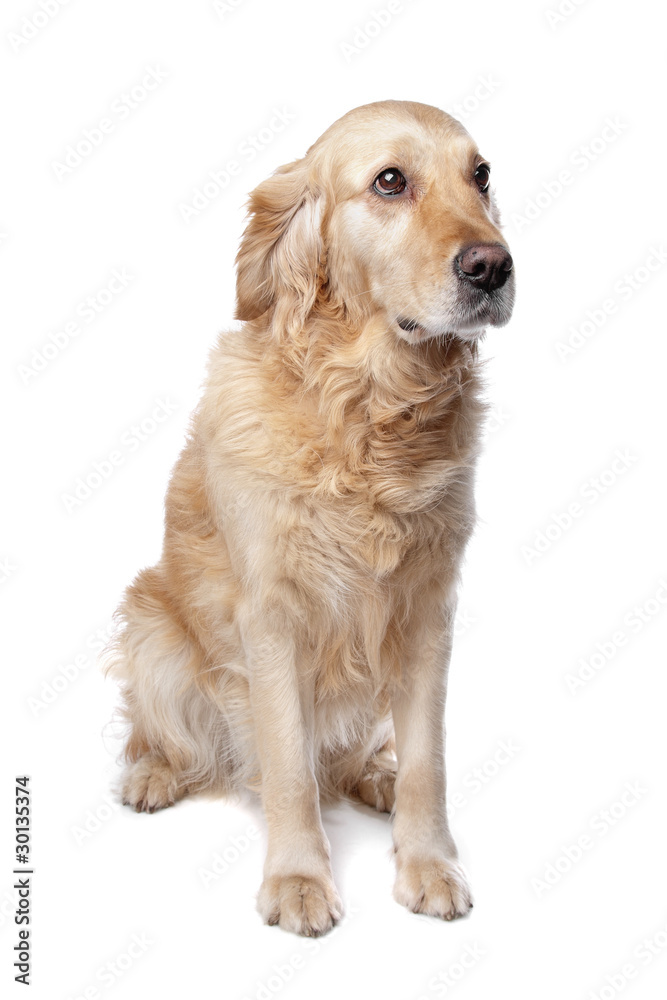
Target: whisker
(389, 284)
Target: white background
(536, 93)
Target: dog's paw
(376, 787)
(435, 886)
(299, 903)
(149, 784)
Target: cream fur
(301, 614)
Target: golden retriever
(295, 635)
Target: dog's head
(390, 211)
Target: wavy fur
(315, 524)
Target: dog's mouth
(416, 332)
(473, 312)
(410, 325)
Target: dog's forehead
(378, 136)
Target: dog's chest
(366, 514)
(370, 577)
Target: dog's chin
(468, 322)
(416, 333)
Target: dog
(295, 636)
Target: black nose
(486, 265)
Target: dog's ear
(278, 263)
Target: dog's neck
(380, 410)
(375, 373)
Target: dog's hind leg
(151, 783)
(178, 738)
(364, 770)
(375, 784)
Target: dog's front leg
(429, 878)
(298, 891)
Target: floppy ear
(278, 263)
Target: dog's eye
(390, 182)
(482, 176)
